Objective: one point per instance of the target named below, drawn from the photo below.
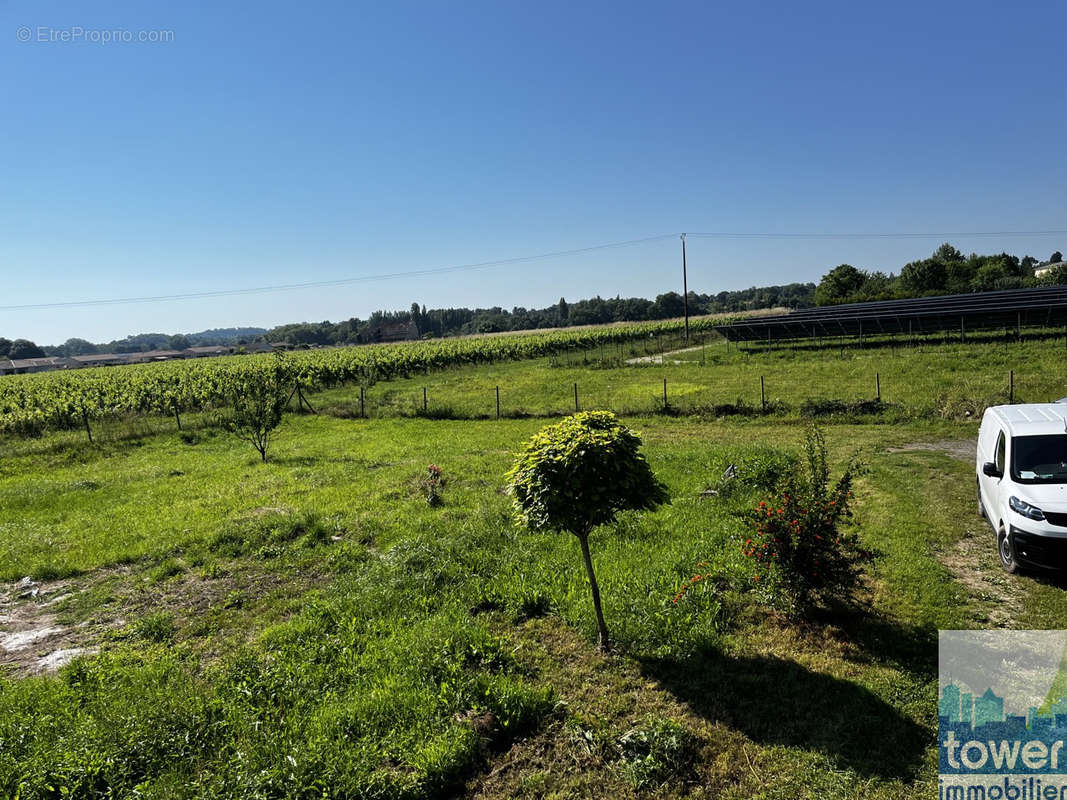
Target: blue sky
(272, 143)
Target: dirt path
(658, 359)
(961, 449)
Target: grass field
(949, 381)
(311, 627)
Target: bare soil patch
(961, 449)
(45, 625)
(32, 639)
(974, 563)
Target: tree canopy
(946, 271)
(24, 348)
(581, 473)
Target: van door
(986, 452)
(996, 486)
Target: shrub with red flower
(799, 542)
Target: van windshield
(1039, 459)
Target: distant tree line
(946, 271)
(440, 322)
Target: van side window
(999, 459)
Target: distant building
(106, 359)
(21, 366)
(158, 355)
(389, 331)
(1046, 268)
(207, 351)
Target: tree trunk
(605, 642)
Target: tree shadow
(778, 702)
(1056, 578)
(878, 639)
(294, 461)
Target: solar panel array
(1012, 308)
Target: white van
(1022, 482)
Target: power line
(511, 261)
(336, 282)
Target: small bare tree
(258, 400)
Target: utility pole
(685, 290)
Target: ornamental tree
(579, 474)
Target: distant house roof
(161, 355)
(392, 331)
(17, 365)
(49, 361)
(106, 358)
(209, 350)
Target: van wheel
(981, 508)
(1007, 553)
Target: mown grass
(371, 686)
(433, 639)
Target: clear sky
(268, 143)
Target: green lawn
(311, 627)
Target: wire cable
(335, 282)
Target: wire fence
(763, 396)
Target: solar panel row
(1046, 306)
